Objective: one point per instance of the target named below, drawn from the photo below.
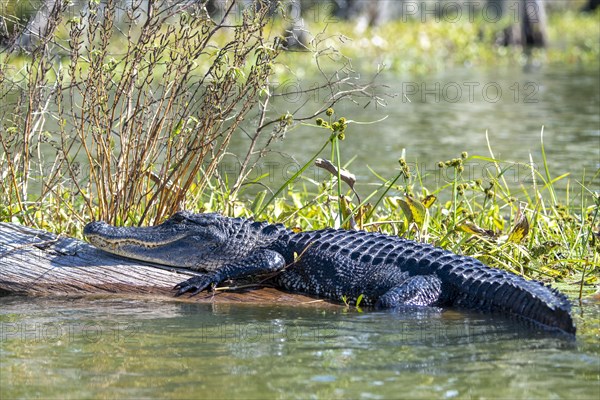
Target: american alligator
(386, 270)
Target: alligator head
(196, 241)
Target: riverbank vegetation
(410, 46)
(128, 119)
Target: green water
(437, 117)
(111, 348)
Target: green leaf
(405, 209)
(428, 201)
(358, 300)
(347, 213)
(258, 200)
(520, 229)
(414, 210)
(474, 229)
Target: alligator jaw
(103, 235)
(116, 243)
(143, 243)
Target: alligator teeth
(116, 244)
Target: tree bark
(528, 17)
(41, 24)
(534, 24)
(591, 5)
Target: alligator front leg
(418, 290)
(259, 262)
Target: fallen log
(39, 263)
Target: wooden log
(39, 263)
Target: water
(118, 348)
(437, 117)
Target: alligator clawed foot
(194, 285)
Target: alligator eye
(179, 216)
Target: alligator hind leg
(418, 290)
(259, 262)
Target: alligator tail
(472, 284)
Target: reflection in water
(120, 348)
